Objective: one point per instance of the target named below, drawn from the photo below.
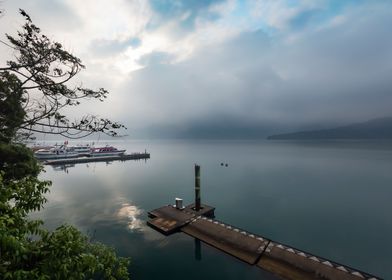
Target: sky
(223, 69)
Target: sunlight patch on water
(132, 213)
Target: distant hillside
(373, 129)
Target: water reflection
(197, 249)
(131, 213)
(66, 167)
(297, 185)
(134, 223)
(62, 167)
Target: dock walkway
(285, 261)
(76, 160)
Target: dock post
(197, 187)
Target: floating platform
(168, 219)
(282, 260)
(124, 157)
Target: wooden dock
(168, 219)
(282, 260)
(123, 157)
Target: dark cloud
(217, 127)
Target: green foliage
(17, 199)
(17, 161)
(63, 254)
(66, 253)
(11, 110)
(27, 249)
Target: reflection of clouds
(131, 212)
(135, 223)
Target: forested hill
(374, 129)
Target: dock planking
(236, 243)
(168, 219)
(205, 210)
(282, 260)
(97, 159)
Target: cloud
(284, 14)
(104, 47)
(186, 11)
(56, 11)
(335, 75)
(228, 67)
(213, 83)
(155, 58)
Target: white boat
(56, 153)
(37, 147)
(82, 150)
(106, 151)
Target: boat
(37, 147)
(82, 150)
(56, 153)
(106, 151)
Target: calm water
(329, 198)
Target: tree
(33, 92)
(40, 74)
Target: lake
(330, 198)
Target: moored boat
(106, 151)
(37, 147)
(56, 153)
(82, 150)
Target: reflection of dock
(285, 261)
(124, 157)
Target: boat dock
(197, 220)
(76, 160)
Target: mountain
(373, 129)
